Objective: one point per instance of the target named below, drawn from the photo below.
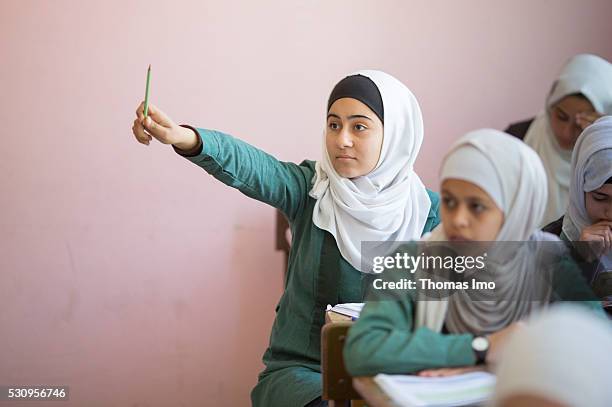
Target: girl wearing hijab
(561, 358)
(581, 94)
(589, 215)
(493, 188)
(363, 188)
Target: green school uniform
(384, 340)
(317, 274)
(599, 281)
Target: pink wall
(127, 272)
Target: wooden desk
(337, 384)
(331, 316)
(365, 386)
(371, 393)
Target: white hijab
(513, 176)
(591, 76)
(563, 355)
(591, 167)
(389, 203)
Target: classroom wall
(128, 273)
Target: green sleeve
(433, 219)
(253, 172)
(383, 340)
(569, 284)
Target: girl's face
(468, 213)
(563, 119)
(598, 203)
(354, 137)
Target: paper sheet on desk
(351, 309)
(460, 390)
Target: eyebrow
(475, 199)
(354, 116)
(467, 198)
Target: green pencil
(146, 106)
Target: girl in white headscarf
(493, 189)
(512, 176)
(372, 207)
(363, 188)
(588, 221)
(581, 94)
(561, 358)
(589, 215)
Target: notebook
(351, 309)
(466, 389)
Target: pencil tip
(149, 66)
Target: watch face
(480, 344)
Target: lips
(345, 157)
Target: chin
(346, 172)
(566, 145)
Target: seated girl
(363, 188)
(588, 220)
(581, 94)
(493, 190)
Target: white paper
(460, 390)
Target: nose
(345, 138)
(569, 131)
(460, 217)
(576, 130)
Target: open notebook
(351, 309)
(466, 389)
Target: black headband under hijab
(361, 88)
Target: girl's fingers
(582, 123)
(140, 111)
(156, 124)
(139, 133)
(607, 226)
(605, 232)
(584, 120)
(604, 240)
(447, 371)
(608, 237)
(156, 114)
(429, 373)
(159, 116)
(155, 129)
(597, 241)
(592, 116)
(593, 236)
(598, 229)
(436, 372)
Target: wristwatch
(480, 346)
